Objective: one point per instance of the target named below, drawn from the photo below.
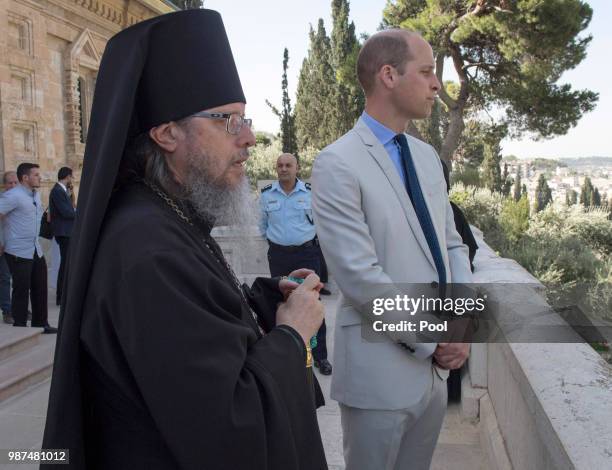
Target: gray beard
(221, 205)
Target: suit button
(434, 285)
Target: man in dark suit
(62, 214)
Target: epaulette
(266, 187)
(307, 186)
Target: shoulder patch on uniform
(307, 186)
(266, 187)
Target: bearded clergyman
(164, 359)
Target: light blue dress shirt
(386, 137)
(286, 219)
(22, 210)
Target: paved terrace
(524, 406)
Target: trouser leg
(38, 292)
(419, 441)
(5, 286)
(324, 274)
(63, 243)
(280, 263)
(320, 352)
(21, 271)
(394, 440)
(371, 438)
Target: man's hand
(451, 355)
(287, 287)
(303, 311)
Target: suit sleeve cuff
(424, 350)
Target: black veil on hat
(156, 71)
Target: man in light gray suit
(384, 219)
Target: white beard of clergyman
(235, 207)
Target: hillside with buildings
(563, 175)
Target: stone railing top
(567, 387)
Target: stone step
(27, 368)
(14, 340)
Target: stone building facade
(50, 53)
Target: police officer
(287, 224)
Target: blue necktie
(418, 202)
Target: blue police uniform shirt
(286, 219)
(386, 137)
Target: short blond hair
(388, 47)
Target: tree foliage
(188, 4)
(571, 197)
(329, 98)
(543, 194)
(514, 218)
(589, 194)
(506, 181)
(345, 49)
(491, 170)
(261, 164)
(315, 107)
(286, 115)
(516, 193)
(505, 53)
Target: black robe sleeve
(219, 397)
(264, 297)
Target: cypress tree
(543, 194)
(286, 116)
(491, 174)
(506, 181)
(595, 198)
(516, 195)
(345, 47)
(586, 192)
(315, 108)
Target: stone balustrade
(540, 406)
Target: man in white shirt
(10, 181)
(22, 210)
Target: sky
(259, 32)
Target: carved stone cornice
(123, 17)
(103, 10)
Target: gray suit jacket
(371, 238)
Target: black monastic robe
(173, 370)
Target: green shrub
(262, 161)
(482, 209)
(514, 218)
(467, 176)
(261, 165)
(569, 249)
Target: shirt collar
(299, 186)
(63, 186)
(29, 192)
(380, 131)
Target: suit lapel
(380, 155)
(59, 188)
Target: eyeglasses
(234, 121)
